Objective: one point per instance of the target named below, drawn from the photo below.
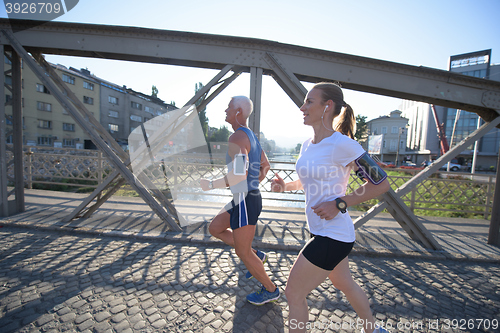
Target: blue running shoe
(263, 296)
(262, 256)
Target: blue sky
(424, 32)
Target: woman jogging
(324, 167)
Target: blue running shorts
(244, 209)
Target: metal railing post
(29, 166)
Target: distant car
(409, 165)
(453, 167)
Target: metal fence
(456, 194)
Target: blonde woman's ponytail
(347, 122)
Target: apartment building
(46, 123)
(393, 129)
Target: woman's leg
(304, 277)
(342, 280)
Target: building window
(146, 119)
(42, 89)
(68, 79)
(113, 128)
(88, 85)
(10, 139)
(8, 80)
(158, 113)
(113, 114)
(44, 124)
(149, 109)
(68, 127)
(42, 106)
(394, 130)
(68, 142)
(113, 100)
(44, 141)
(135, 105)
(88, 100)
(135, 118)
(393, 145)
(384, 129)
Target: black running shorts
(325, 252)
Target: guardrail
(455, 194)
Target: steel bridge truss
(287, 64)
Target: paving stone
(80, 319)
(101, 316)
(120, 295)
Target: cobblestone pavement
(58, 282)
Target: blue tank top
(254, 156)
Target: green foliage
(220, 135)
(298, 147)
(361, 128)
(154, 91)
(433, 195)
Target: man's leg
(243, 238)
(220, 227)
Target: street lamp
(401, 129)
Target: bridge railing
(448, 194)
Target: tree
(154, 91)
(172, 103)
(361, 128)
(220, 135)
(298, 147)
(202, 114)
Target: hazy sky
(424, 32)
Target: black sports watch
(341, 205)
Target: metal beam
(17, 124)
(424, 84)
(4, 197)
(256, 96)
(95, 194)
(494, 232)
(409, 222)
(286, 79)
